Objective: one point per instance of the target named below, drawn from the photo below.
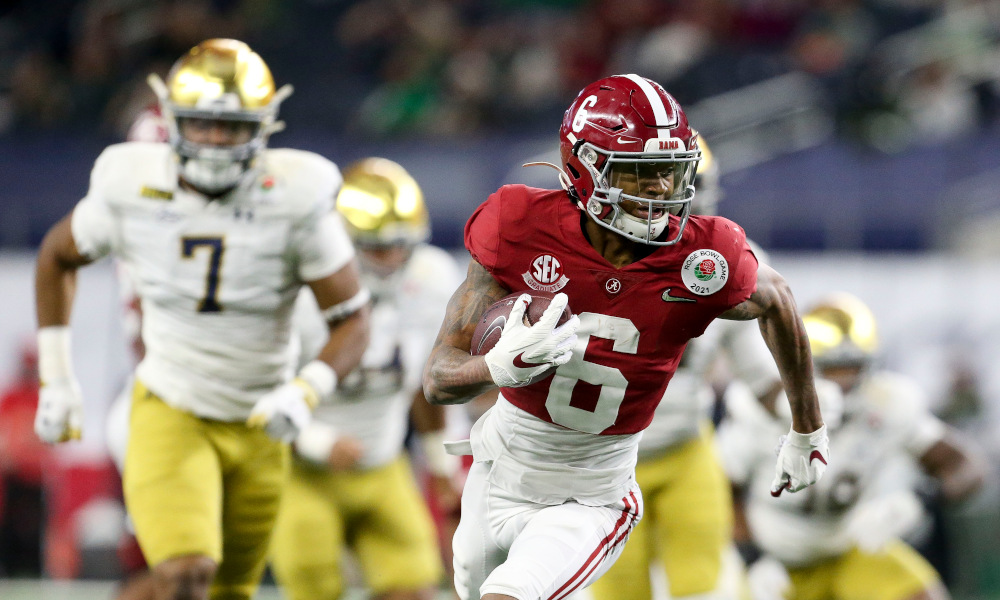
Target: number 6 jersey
(635, 324)
(217, 278)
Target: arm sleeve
(927, 431)
(93, 221)
(482, 231)
(321, 243)
(743, 275)
(904, 407)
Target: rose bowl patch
(705, 272)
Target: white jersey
(688, 399)
(217, 278)
(890, 426)
(372, 403)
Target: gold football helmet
(708, 191)
(382, 205)
(842, 332)
(219, 80)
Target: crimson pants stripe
(581, 574)
(607, 550)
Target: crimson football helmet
(630, 158)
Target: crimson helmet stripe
(656, 102)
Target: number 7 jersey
(218, 278)
(635, 321)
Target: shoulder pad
(432, 264)
(304, 179)
(123, 170)
(894, 396)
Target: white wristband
(54, 356)
(439, 462)
(807, 440)
(321, 378)
(315, 443)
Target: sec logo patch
(705, 272)
(545, 274)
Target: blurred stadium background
(859, 142)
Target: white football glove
(59, 417)
(877, 522)
(802, 458)
(768, 579)
(523, 354)
(284, 411)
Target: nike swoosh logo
(625, 141)
(777, 494)
(668, 298)
(498, 323)
(815, 455)
(520, 364)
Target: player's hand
(877, 522)
(802, 458)
(768, 579)
(284, 411)
(525, 353)
(345, 453)
(447, 495)
(59, 417)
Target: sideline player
(839, 539)
(551, 497)
(352, 484)
(218, 235)
(687, 527)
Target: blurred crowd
(895, 71)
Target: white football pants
(506, 545)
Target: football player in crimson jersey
(551, 497)
(218, 234)
(687, 529)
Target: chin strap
(563, 177)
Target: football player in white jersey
(839, 540)
(352, 484)
(687, 528)
(218, 235)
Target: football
(494, 318)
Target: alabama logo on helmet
(545, 273)
(705, 272)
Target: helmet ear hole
(570, 168)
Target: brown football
(494, 318)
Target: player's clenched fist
(802, 458)
(60, 404)
(524, 354)
(284, 411)
(59, 417)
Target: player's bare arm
(345, 306)
(959, 471)
(452, 374)
(773, 305)
(55, 274)
(60, 404)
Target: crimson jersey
(634, 322)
